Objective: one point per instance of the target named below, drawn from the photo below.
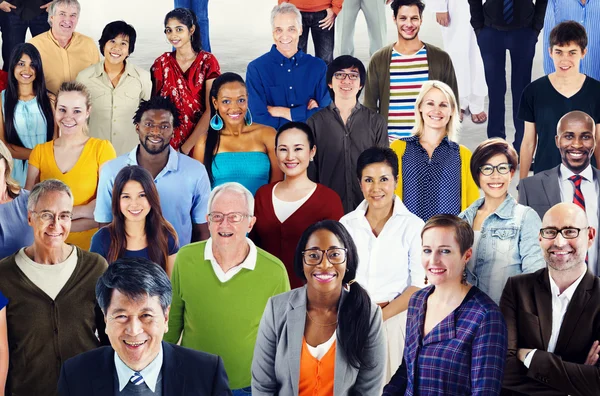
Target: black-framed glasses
(566, 232)
(502, 169)
(232, 218)
(335, 256)
(342, 76)
(48, 217)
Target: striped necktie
(508, 11)
(136, 379)
(578, 198)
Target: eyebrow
(123, 310)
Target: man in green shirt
(221, 286)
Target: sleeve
(489, 355)
(63, 382)
(99, 244)
(3, 301)
(415, 267)
(257, 97)
(381, 132)
(284, 283)
(549, 23)
(103, 210)
(522, 193)
(438, 6)
(177, 305)
(220, 381)
(336, 208)
(336, 6)
(397, 385)
(264, 379)
(106, 152)
(527, 104)
(156, 76)
(538, 16)
(200, 198)
(35, 157)
(146, 81)
(173, 247)
(477, 17)
(472, 192)
(370, 380)
(371, 98)
(532, 258)
(212, 69)
(322, 96)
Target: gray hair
(236, 188)
(56, 3)
(286, 8)
(45, 187)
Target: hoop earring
(216, 122)
(248, 118)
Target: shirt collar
(333, 107)
(399, 209)
(282, 59)
(150, 373)
(569, 291)
(172, 162)
(504, 211)
(445, 140)
(248, 263)
(55, 41)
(587, 173)
(99, 69)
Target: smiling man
(135, 296)
(221, 286)
(575, 180)
(64, 51)
(553, 315)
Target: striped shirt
(407, 75)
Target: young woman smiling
(138, 228)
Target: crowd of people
(185, 231)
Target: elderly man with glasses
(52, 313)
(221, 286)
(553, 315)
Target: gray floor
(240, 31)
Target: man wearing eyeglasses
(221, 286)
(52, 313)
(574, 180)
(343, 130)
(553, 315)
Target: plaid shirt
(462, 355)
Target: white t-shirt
(284, 209)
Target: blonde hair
(74, 86)
(453, 124)
(12, 185)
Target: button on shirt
(589, 188)
(390, 262)
(150, 373)
(249, 262)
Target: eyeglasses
(567, 232)
(488, 169)
(48, 217)
(232, 218)
(336, 256)
(342, 76)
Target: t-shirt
(101, 245)
(543, 105)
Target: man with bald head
(574, 180)
(553, 315)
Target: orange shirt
(316, 5)
(316, 376)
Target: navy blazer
(185, 372)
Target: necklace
(320, 324)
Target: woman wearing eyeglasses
(506, 233)
(325, 338)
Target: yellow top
(63, 64)
(82, 178)
(469, 191)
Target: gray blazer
(276, 362)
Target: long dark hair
(213, 136)
(189, 19)
(354, 315)
(11, 95)
(157, 228)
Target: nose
(134, 326)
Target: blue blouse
(15, 232)
(3, 301)
(251, 169)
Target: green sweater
(222, 318)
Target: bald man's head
(576, 140)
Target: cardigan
(280, 239)
(377, 86)
(468, 189)
(276, 362)
(43, 333)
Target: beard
(154, 148)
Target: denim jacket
(508, 245)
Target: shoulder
(161, 60)
(100, 144)
(113, 166)
(42, 38)
(323, 115)
(195, 360)
(383, 54)
(525, 281)
(93, 358)
(313, 61)
(137, 71)
(189, 254)
(284, 302)
(102, 235)
(432, 50)
(326, 193)
(92, 261)
(534, 87)
(267, 259)
(8, 264)
(418, 298)
(264, 192)
(262, 60)
(190, 166)
(87, 73)
(87, 40)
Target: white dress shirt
(390, 262)
(249, 262)
(150, 373)
(589, 188)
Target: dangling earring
(216, 122)
(425, 279)
(464, 277)
(248, 118)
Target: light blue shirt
(508, 246)
(588, 15)
(150, 373)
(183, 187)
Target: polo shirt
(63, 64)
(183, 188)
(249, 262)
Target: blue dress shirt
(274, 80)
(150, 373)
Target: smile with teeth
(435, 118)
(437, 271)
(225, 234)
(495, 185)
(134, 344)
(560, 252)
(291, 164)
(576, 154)
(324, 277)
(155, 140)
(135, 212)
(68, 125)
(114, 55)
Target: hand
(6, 6)
(327, 22)
(592, 357)
(45, 6)
(443, 18)
(522, 353)
(279, 111)
(312, 104)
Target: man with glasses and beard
(553, 315)
(574, 180)
(182, 182)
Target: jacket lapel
(296, 318)
(173, 380)
(543, 302)
(574, 312)
(104, 382)
(551, 186)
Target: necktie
(578, 198)
(136, 379)
(508, 11)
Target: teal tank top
(249, 168)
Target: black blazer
(185, 372)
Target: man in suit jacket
(576, 140)
(135, 297)
(553, 315)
